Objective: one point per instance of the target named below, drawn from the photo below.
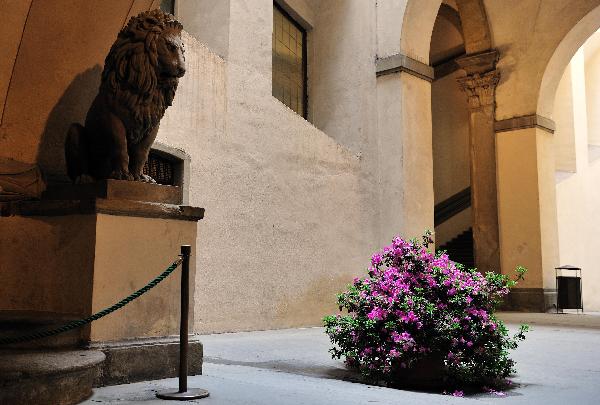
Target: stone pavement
(559, 363)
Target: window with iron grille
(160, 169)
(289, 61)
(168, 6)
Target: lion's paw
(120, 175)
(144, 178)
(147, 179)
(84, 179)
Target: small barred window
(160, 169)
(168, 6)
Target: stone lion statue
(139, 81)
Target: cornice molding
(402, 63)
(525, 121)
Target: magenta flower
(377, 314)
(419, 305)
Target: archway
(577, 166)
(450, 136)
(466, 214)
(532, 63)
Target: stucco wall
(527, 40)
(207, 21)
(450, 149)
(577, 194)
(288, 212)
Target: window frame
(304, 59)
(172, 8)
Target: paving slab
(559, 363)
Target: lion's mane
(131, 73)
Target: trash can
(568, 288)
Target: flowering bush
(415, 305)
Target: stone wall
(288, 213)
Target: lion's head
(142, 69)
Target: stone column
(479, 85)
(405, 147)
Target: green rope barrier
(80, 322)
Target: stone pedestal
(83, 248)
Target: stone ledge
(50, 208)
(530, 300)
(145, 359)
(525, 121)
(53, 377)
(403, 63)
(115, 190)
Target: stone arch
(476, 30)
(419, 17)
(561, 57)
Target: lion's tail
(76, 152)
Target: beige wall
(564, 136)
(577, 195)
(289, 214)
(450, 149)
(450, 137)
(129, 252)
(527, 41)
(405, 155)
(592, 88)
(526, 205)
(46, 264)
(207, 21)
(342, 92)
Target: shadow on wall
(71, 107)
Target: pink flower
(377, 314)
(376, 259)
(410, 317)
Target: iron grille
(160, 169)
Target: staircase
(460, 249)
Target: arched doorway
(577, 166)
(450, 138)
(532, 64)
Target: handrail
(451, 206)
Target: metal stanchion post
(184, 393)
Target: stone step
(47, 377)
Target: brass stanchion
(184, 392)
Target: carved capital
(480, 88)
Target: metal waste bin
(568, 288)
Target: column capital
(480, 88)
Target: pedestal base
(47, 377)
(530, 300)
(191, 393)
(145, 359)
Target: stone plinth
(83, 248)
(139, 359)
(47, 377)
(116, 190)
